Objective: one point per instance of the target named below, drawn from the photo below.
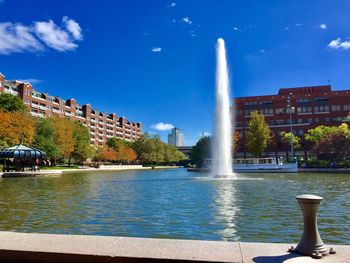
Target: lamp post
(289, 100)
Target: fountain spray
(222, 143)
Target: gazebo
(21, 157)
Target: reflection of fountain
(225, 204)
(222, 143)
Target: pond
(175, 204)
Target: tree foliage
(286, 138)
(11, 103)
(330, 143)
(82, 149)
(236, 140)
(16, 126)
(201, 151)
(152, 150)
(124, 151)
(105, 154)
(45, 138)
(64, 133)
(258, 134)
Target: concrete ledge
(20, 247)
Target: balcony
(36, 106)
(10, 91)
(37, 114)
(42, 107)
(39, 98)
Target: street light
(289, 100)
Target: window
(27, 92)
(280, 110)
(266, 111)
(304, 109)
(336, 108)
(300, 132)
(346, 107)
(321, 108)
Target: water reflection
(226, 209)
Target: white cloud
(31, 81)
(173, 4)
(187, 20)
(339, 44)
(54, 36)
(262, 50)
(323, 26)
(286, 28)
(192, 33)
(235, 28)
(73, 27)
(160, 126)
(157, 49)
(298, 24)
(16, 38)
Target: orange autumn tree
(16, 126)
(130, 154)
(106, 154)
(236, 138)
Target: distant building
(312, 106)
(101, 126)
(175, 138)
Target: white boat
(261, 165)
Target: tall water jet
(222, 143)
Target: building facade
(175, 138)
(311, 107)
(101, 125)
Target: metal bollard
(311, 243)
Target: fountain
(222, 143)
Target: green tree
(151, 150)
(258, 134)
(82, 149)
(286, 138)
(316, 134)
(330, 143)
(201, 151)
(10, 103)
(44, 138)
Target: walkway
(19, 247)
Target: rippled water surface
(175, 204)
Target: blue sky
(154, 61)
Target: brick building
(311, 107)
(101, 125)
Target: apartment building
(101, 125)
(311, 107)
